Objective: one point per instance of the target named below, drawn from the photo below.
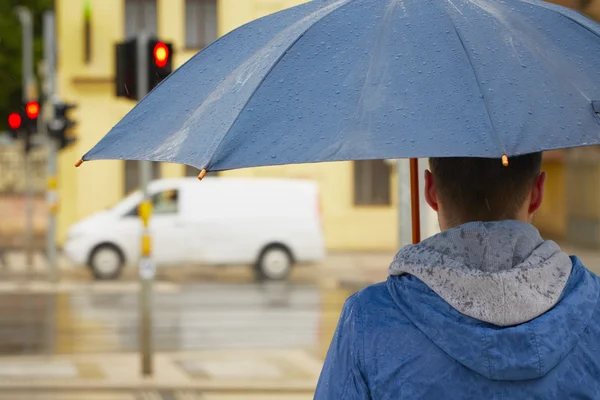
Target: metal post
(28, 212)
(49, 82)
(26, 19)
(52, 181)
(404, 211)
(29, 93)
(52, 201)
(147, 267)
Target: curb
(208, 387)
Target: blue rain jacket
(400, 340)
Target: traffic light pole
(147, 267)
(52, 182)
(28, 212)
(26, 19)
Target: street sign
(147, 268)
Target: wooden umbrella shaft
(414, 200)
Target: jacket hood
(510, 308)
(503, 273)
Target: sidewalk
(354, 270)
(261, 371)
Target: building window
(140, 17)
(371, 182)
(191, 171)
(132, 174)
(200, 23)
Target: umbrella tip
(78, 163)
(505, 160)
(202, 174)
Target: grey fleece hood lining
(503, 273)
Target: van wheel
(106, 262)
(275, 263)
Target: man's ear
(430, 193)
(537, 194)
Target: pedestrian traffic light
(60, 128)
(156, 63)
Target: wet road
(203, 330)
(186, 317)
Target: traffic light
(126, 69)
(60, 128)
(14, 124)
(160, 63)
(23, 124)
(156, 63)
(30, 114)
(32, 109)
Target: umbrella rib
(283, 53)
(485, 102)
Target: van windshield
(163, 202)
(124, 206)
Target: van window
(163, 203)
(166, 202)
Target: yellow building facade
(355, 218)
(90, 84)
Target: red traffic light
(14, 120)
(32, 109)
(161, 54)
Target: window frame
(360, 199)
(139, 16)
(199, 46)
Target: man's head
(462, 189)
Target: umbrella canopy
(375, 79)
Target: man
(486, 309)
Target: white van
(270, 224)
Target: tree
(10, 51)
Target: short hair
(483, 189)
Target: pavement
(355, 271)
(217, 371)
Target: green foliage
(10, 51)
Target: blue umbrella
(375, 79)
